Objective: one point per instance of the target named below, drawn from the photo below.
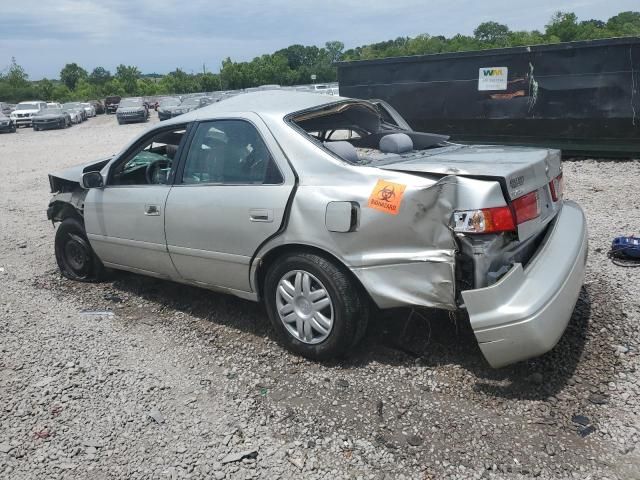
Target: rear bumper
(525, 313)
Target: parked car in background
(111, 103)
(5, 108)
(74, 113)
(25, 111)
(98, 106)
(53, 105)
(88, 108)
(187, 105)
(77, 113)
(132, 110)
(322, 207)
(78, 106)
(6, 124)
(51, 118)
(166, 107)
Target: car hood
(74, 174)
(178, 108)
(48, 116)
(35, 110)
(130, 110)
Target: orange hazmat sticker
(387, 196)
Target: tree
(492, 32)
(334, 50)
(71, 74)
(625, 23)
(99, 76)
(45, 89)
(563, 26)
(16, 76)
(208, 82)
(127, 76)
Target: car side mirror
(92, 180)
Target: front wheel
(74, 255)
(315, 306)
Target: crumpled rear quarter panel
(406, 259)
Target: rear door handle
(261, 215)
(151, 210)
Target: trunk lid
(519, 170)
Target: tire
(347, 311)
(35, 128)
(74, 255)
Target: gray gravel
(177, 382)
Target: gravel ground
(177, 382)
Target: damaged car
(325, 208)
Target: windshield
(190, 102)
(170, 102)
(131, 102)
(26, 106)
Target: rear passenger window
(229, 152)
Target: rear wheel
(315, 306)
(74, 255)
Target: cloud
(159, 35)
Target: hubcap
(304, 307)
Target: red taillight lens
(557, 188)
(499, 219)
(526, 207)
(486, 220)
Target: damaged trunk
(522, 173)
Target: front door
(125, 219)
(230, 196)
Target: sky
(161, 35)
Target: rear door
(229, 196)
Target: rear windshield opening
(361, 133)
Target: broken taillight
(498, 219)
(486, 220)
(557, 188)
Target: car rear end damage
(526, 311)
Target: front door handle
(151, 210)
(261, 215)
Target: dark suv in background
(111, 104)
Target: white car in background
(53, 105)
(25, 111)
(75, 113)
(89, 109)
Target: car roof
(268, 102)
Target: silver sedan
(324, 208)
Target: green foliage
(297, 63)
(127, 76)
(71, 74)
(99, 76)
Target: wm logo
(492, 72)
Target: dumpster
(582, 97)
